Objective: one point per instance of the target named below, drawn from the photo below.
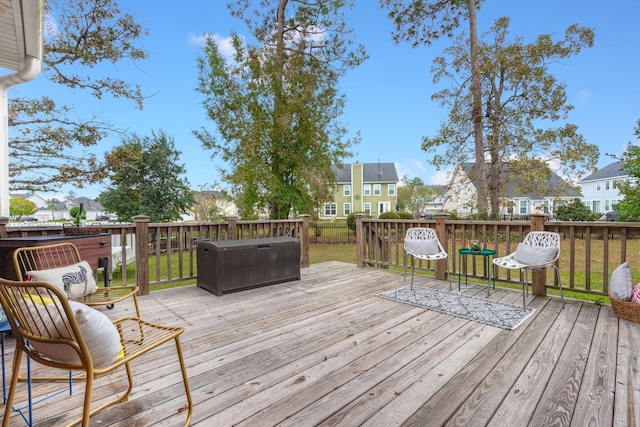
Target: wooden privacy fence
(166, 252)
(589, 250)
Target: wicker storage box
(74, 230)
(626, 309)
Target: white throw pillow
(75, 280)
(621, 283)
(422, 246)
(99, 333)
(534, 255)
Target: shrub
(389, 215)
(351, 220)
(404, 215)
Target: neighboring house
(362, 187)
(52, 212)
(207, 200)
(38, 200)
(91, 207)
(461, 197)
(436, 203)
(600, 190)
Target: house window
(376, 189)
(392, 189)
(367, 208)
(596, 206)
(607, 184)
(347, 190)
(607, 205)
(598, 185)
(347, 209)
(330, 209)
(546, 206)
(367, 190)
(523, 207)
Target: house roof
(612, 170)
(89, 204)
(371, 172)
(510, 189)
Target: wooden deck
(326, 351)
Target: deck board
(326, 351)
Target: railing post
(441, 232)
(360, 239)
(304, 240)
(3, 226)
(232, 226)
(538, 277)
(142, 253)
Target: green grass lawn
(332, 252)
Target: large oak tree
(48, 141)
(525, 110)
(422, 22)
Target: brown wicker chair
(59, 333)
(63, 255)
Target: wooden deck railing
(589, 250)
(166, 252)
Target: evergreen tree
(146, 180)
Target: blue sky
(388, 97)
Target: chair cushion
(422, 246)
(636, 294)
(621, 283)
(100, 334)
(534, 255)
(75, 280)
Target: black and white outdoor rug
(494, 313)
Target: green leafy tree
(48, 144)
(575, 210)
(146, 180)
(629, 207)
(414, 195)
(422, 22)
(51, 205)
(521, 101)
(276, 104)
(19, 207)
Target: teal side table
(487, 257)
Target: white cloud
(223, 43)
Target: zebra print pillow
(75, 280)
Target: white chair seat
(541, 239)
(419, 240)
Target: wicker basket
(74, 230)
(626, 309)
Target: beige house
(461, 195)
(362, 187)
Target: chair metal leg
(559, 283)
(405, 268)
(523, 282)
(413, 270)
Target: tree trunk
(476, 113)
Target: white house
(600, 190)
(461, 196)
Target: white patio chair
(539, 250)
(422, 243)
